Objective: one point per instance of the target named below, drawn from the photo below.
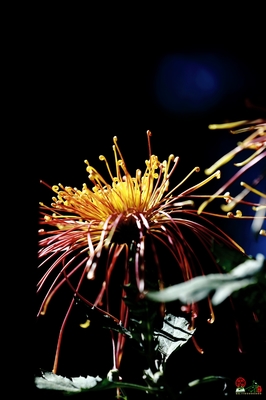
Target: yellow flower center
(126, 194)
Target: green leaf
(70, 386)
(223, 285)
(174, 334)
(51, 381)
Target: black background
(91, 76)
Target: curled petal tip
(228, 125)
(223, 160)
(202, 206)
(85, 324)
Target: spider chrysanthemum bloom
(89, 232)
(254, 143)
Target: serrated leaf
(69, 386)
(51, 381)
(196, 289)
(174, 333)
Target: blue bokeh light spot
(205, 80)
(194, 83)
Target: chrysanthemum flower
(255, 143)
(131, 224)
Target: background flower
(255, 143)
